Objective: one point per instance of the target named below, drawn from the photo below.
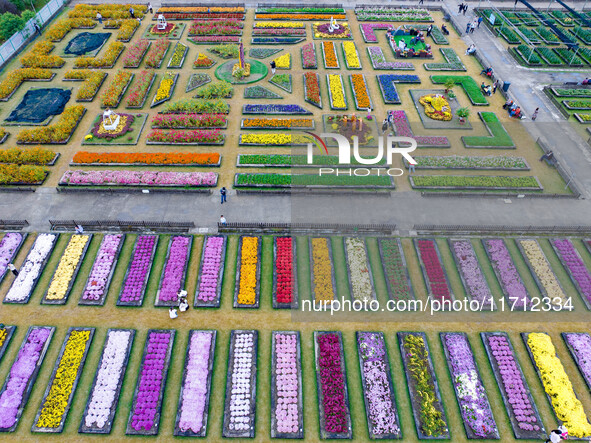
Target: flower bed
(21, 378)
(193, 407)
(577, 104)
(322, 31)
(13, 174)
(475, 408)
(174, 272)
(548, 56)
(248, 273)
(177, 59)
(156, 53)
(260, 92)
(351, 55)
(186, 137)
(99, 280)
(427, 406)
(165, 89)
(57, 400)
(240, 403)
(138, 178)
(189, 121)
(144, 417)
(392, 14)
(282, 81)
(360, 92)
(378, 60)
(127, 132)
(116, 89)
(336, 92)
(323, 284)
(300, 10)
(172, 31)
(211, 272)
(277, 123)
(287, 417)
(140, 89)
(6, 333)
(9, 246)
(519, 403)
(368, 30)
(299, 16)
(490, 162)
(58, 133)
(137, 274)
(329, 54)
(285, 293)
(16, 77)
(475, 182)
(309, 60)
(107, 61)
(569, 57)
(197, 106)
(312, 89)
(359, 275)
(575, 267)
(395, 269)
(331, 380)
(28, 156)
(453, 62)
(196, 80)
(262, 53)
(578, 344)
(471, 273)
(104, 395)
(67, 269)
(566, 406)
(438, 37)
(275, 109)
(210, 39)
(283, 61)
(203, 61)
(434, 273)
(31, 269)
(92, 81)
(39, 57)
(126, 28)
(471, 88)
(135, 54)
(223, 26)
(378, 388)
(499, 137)
(58, 30)
(272, 180)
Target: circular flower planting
(436, 107)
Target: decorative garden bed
(165, 90)
(140, 90)
(211, 272)
(282, 81)
(180, 159)
(378, 61)
(10, 245)
(323, 285)
(360, 92)
(395, 269)
(311, 181)
(277, 123)
(136, 277)
(312, 89)
(434, 274)
(499, 137)
(127, 133)
(578, 345)
(476, 182)
(359, 272)
(173, 31)
(174, 272)
(177, 59)
(136, 53)
(275, 110)
(248, 272)
(197, 80)
(575, 267)
(329, 55)
(285, 281)
(488, 163)
(137, 179)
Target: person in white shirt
(172, 313)
(223, 220)
(12, 269)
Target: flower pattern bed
(128, 131)
(10, 245)
(287, 417)
(172, 279)
(165, 89)
(359, 275)
(193, 407)
(282, 81)
(29, 273)
(138, 178)
(403, 129)
(211, 272)
(322, 31)
(144, 417)
(312, 89)
(6, 333)
(360, 92)
(378, 387)
(106, 388)
(378, 60)
(336, 92)
(248, 273)
(322, 278)
(140, 89)
(519, 403)
(331, 381)
(309, 60)
(575, 267)
(277, 123)
(135, 54)
(240, 403)
(62, 385)
(197, 80)
(578, 344)
(395, 269)
(285, 293)
(329, 53)
(21, 378)
(138, 271)
(434, 273)
(275, 109)
(475, 408)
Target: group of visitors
(183, 305)
(513, 109)
(487, 72)
(462, 8)
(388, 123)
(471, 49)
(471, 26)
(99, 16)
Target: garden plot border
(187, 89)
(411, 389)
(373, 295)
(45, 300)
(145, 284)
(226, 432)
(464, 188)
(295, 295)
(154, 77)
(554, 89)
(32, 379)
(371, 106)
(159, 102)
(330, 97)
(101, 302)
(380, 240)
(300, 432)
(60, 427)
(415, 242)
(180, 66)
(332, 270)
(84, 100)
(257, 288)
(568, 270)
(469, 432)
(14, 252)
(216, 303)
(518, 433)
(319, 397)
(306, 99)
(265, 186)
(392, 390)
(574, 356)
(115, 142)
(83, 429)
(141, 59)
(156, 428)
(203, 432)
(162, 303)
(41, 269)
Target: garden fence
(507, 229)
(119, 225)
(307, 228)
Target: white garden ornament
(161, 25)
(110, 120)
(333, 25)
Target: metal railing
(13, 224)
(509, 229)
(308, 228)
(120, 225)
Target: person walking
(460, 8)
(465, 9)
(37, 28)
(223, 193)
(273, 66)
(150, 8)
(429, 30)
(468, 27)
(223, 220)
(391, 121)
(472, 27)
(535, 114)
(131, 13)
(99, 17)
(79, 229)
(420, 2)
(411, 168)
(479, 21)
(495, 86)
(13, 269)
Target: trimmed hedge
(499, 138)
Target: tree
(6, 6)
(27, 15)
(9, 24)
(20, 4)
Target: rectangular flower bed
(275, 109)
(566, 407)
(174, 272)
(260, 92)
(193, 407)
(91, 83)
(106, 387)
(57, 399)
(403, 129)
(143, 179)
(277, 123)
(309, 60)
(287, 414)
(6, 333)
(312, 89)
(329, 55)
(273, 139)
(517, 398)
(476, 182)
(276, 40)
(434, 275)
(578, 344)
(59, 133)
(189, 121)
(285, 161)
(351, 55)
(139, 91)
(574, 266)
(30, 271)
(336, 92)
(331, 381)
(156, 53)
(471, 273)
(368, 30)
(427, 406)
(378, 388)
(452, 62)
(285, 282)
(359, 270)
(322, 279)
(378, 61)
(136, 53)
(507, 274)
(392, 14)
(116, 89)
(208, 159)
(99, 280)
(146, 407)
(542, 272)
(395, 269)
(137, 274)
(489, 162)
(107, 61)
(67, 269)
(478, 419)
(23, 373)
(9, 247)
(360, 92)
(248, 272)
(165, 89)
(311, 181)
(211, 272)
(240, 402)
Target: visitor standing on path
(37, 28)
(495, 86)
(391, 121)
(273, 66)
(460, 8)
(223, 193)
(131, 13)
(99, 17)
(172, 313)
(223, 220)
(468, 27)
(535, 114)
(79, 229)
(429, 30)
(150, 8)
(13, 269)
(479, 21)
(465, 9)
(421, 2)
